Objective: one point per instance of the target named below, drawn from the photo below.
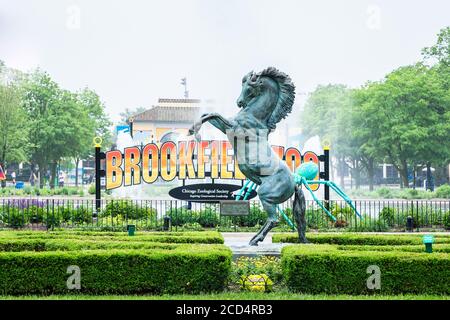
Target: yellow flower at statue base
(257, 283)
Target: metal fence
(378, 215)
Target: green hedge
(441, 247)
(164, 237)
(325, 269)
(187, 269)
(357, 239)
(16, 245)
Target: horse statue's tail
(299, 211)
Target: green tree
(13, 125)
(328, 113)
(94, 122)
(438, 57)
(439, 52)
(55, 121)
(407, 115)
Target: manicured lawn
(230, 296)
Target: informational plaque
(234, 207)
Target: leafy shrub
(81, 215)
(187, 269)
(446, 220)
(414, 194)
(384, 192)
(16, 213)
(244, 267)
(208, 217)
(13, 217)
(181, 216)
(35, 214)
(387, 215)
(422, 214)
(129, 209)
(43, 191)
(91, 189)
(27, 190)
(256, 216)
(443, 191)
(73, 191)
(341, 221)
(317, 219)
(191, 227)
(342, 209)
(324, 269)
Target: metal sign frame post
(325, 175)
(98, 173)
(326, 153)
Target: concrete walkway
(238, 243)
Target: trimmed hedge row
(164, 237)
(441, 247)
(325, 269)
(357, 239)
(184, 269)
(16, 245)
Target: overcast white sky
(133, 52)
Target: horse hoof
(253, 243)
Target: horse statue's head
(271, 94)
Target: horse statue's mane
(286, 95)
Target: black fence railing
(378, 215)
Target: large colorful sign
(185, 160)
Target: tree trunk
(342, 170)
(370, 172)
(53, 174)
(357, 174)
(404, 173)
(31, 179)
(430, 183)
(77, 161)
(41, 177)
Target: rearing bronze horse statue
(266, 98)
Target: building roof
(177, 101)
(169, 114)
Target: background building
(168, 118)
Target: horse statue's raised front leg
(215, 119)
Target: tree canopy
(403, 119)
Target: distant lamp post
(184, 83)
(428, 241)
